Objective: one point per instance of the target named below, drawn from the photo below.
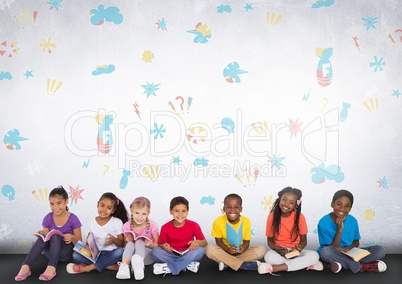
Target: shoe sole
(137, 265)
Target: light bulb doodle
(8, 191)
(228, 124)
(124, 179)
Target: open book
(135, 237)
(234, 237)
(46, 237)
(90, 250)
(356, 253)
(181, 253)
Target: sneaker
(124, 271)
(317, 266)
(161, 268)
(264, 268)
(137, 264)
(222, 266)
(375, 266)
(193, 266)
(250, 265)
(335, 267)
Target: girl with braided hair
(141, 236)
(286, 231)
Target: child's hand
(167, 247)
(193, 244)
(281, 250)
(68, 238)
(147, 242)
(233, 250)
(298, 247)
(110, 239)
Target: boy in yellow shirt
(232, 233)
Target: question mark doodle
(106, 169)
(325, 99)
(182, 102)
(27, 16)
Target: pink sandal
(70, 268)
(21, 277)
(44, 277)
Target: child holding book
(141, 235)
(286, 231)
(57, 248)
(181, 241)
(232, 233)
(107, 229)
(338, 232)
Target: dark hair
(233, 195)
(343, 192)
(59, 191)
(277, 212)
(120, 210)
(179, 200)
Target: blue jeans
(105, 259)
(329, 254)
(176, 262)
(55, 249)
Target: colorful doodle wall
(201, 99)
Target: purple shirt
(72, 223)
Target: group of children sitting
(127, 245)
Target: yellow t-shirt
(219, 228)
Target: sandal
(70, 268)
(21, 277)
(44, 277)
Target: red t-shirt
(178, 238)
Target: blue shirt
(327, 230)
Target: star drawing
(377, 64)
(176, 160)
(276, 161)
(150, 89)
(158, 131)
(396, 93)
(162, 24)
(28, 74)
(248, 7)
(294, 127)
(370, 22)
(75, 193)
(383, 182)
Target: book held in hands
(233, 237)
(356, 253)
(135, 237)
(181, 253)
(48, 236)
(89, 250)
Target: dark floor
(208, 271)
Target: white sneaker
(161, 268)
(317, 266)
(124, 271)
(193, 266)
(137, 263)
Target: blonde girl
(141, 236)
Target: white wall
(280, 86)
